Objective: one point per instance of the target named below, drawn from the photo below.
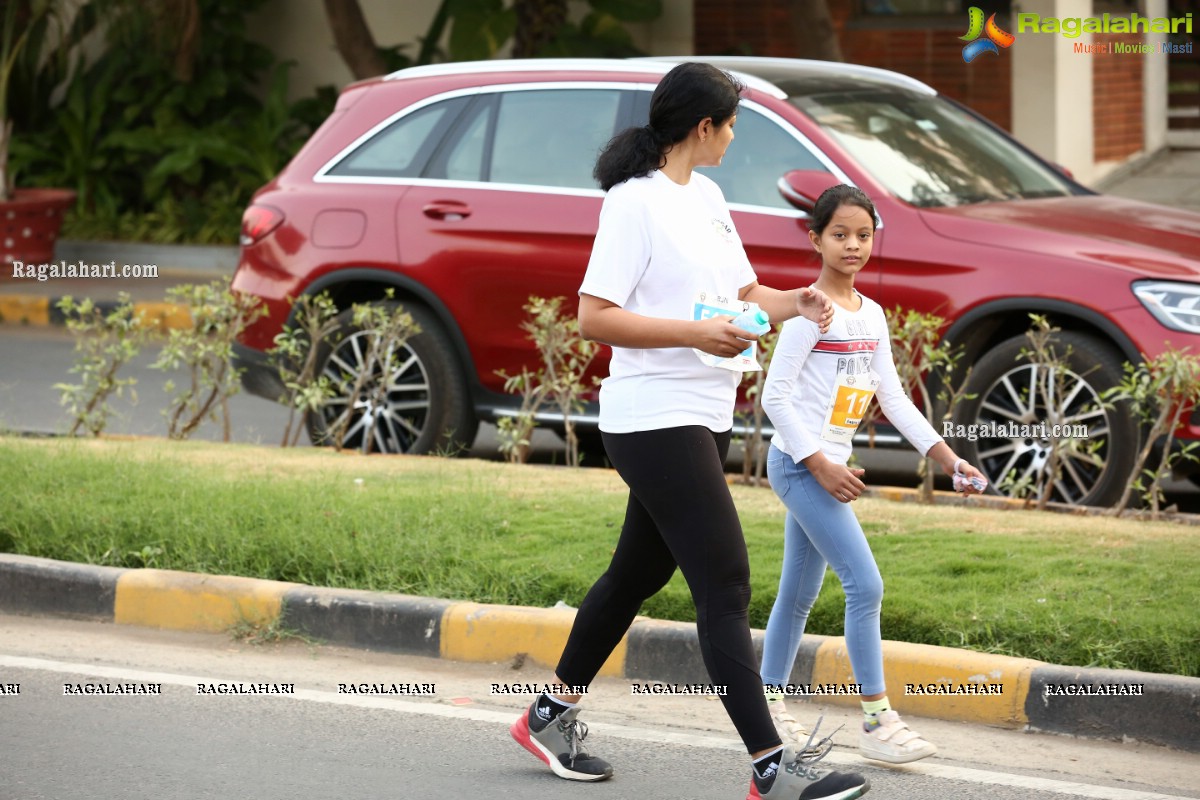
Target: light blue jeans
(819, 531)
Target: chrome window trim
(459, 184)
(322, 175)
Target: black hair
(833, 198)
(686, 95)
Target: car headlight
(1176, 305)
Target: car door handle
(448, 210)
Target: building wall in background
(1121, 116)
(1117, 109)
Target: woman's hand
(718, 336)
(815, 305)
(840, 481)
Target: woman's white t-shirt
(807, 368)
(659, 245)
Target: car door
(509, 209)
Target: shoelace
(810, 754)
(575, 732)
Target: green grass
(1067, 590)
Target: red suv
(466, 188)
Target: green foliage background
(168, 149)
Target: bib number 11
(849, 402)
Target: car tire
(1096, 473)
(429, 408)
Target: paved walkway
(1170, 178)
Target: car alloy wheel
(423, 407)
(1019, 409)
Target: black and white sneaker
(796, 778)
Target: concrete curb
(900, 494)
(939, 682)
(38, 311)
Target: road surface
(322, 743)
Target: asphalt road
(319, 743)
(33, 360)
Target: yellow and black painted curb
(38, 311)
(939, 682)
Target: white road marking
(978, 776)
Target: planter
(29, 225)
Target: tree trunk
(353, 38)
(538, 21)
(5, 139)
(178, 26)
(813, 31)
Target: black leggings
(680, 513)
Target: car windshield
(927, 151)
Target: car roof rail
(746, 65)
(658, 66)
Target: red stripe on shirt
(846, 346)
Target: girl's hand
(719, 337)
(969, 472)
(840, 481)
(815, 305)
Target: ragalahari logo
(995, 35)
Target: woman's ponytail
(632, 153)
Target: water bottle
(757, 322)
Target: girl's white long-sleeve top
(815, 386)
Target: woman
(666, 247)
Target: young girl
(817, 388)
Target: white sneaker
(892, 741)
(788, 728)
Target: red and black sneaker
(556, 740)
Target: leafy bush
(161, 138)
(106, 340)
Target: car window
(401, 149)
(930, 152)
(760, 154)
(465, 159)
(552, 137)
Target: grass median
(1067, 590)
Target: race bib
(709, 304)
(848, 403)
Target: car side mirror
(802, 187)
